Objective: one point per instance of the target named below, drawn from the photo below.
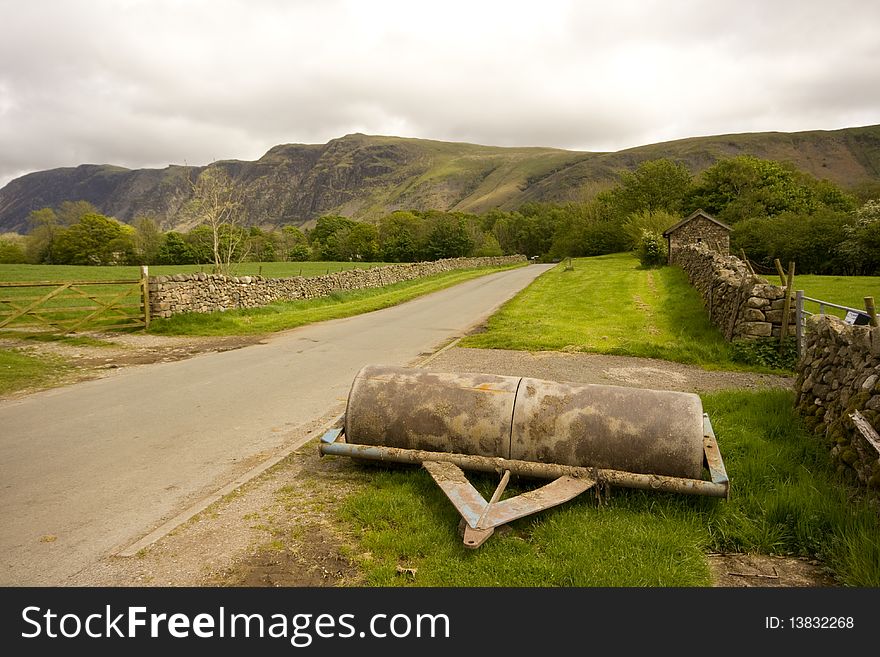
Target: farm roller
(577, 436)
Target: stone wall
(205, 293)
(739, 303)
(839, 373)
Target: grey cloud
(149, 83)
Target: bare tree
(217, 203)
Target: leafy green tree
(94, 240)
(529, 230)
(72, 212)
(362, 243)
(448, 237)
(654, 185)
(200, 241)
(584, 230)
(299, 253)
(44, 228)
(174, 250)
(292, 244)
(329, 235)
(12, 250)
(811, 241)
(747, 187)
(652, 221)
(488, 247)
(262, 246)
(328, 225)
(860, 251)
(399, 236)
(147, 240)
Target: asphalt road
(89, 469)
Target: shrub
(651, 250)
(765, 352)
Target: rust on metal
(629, 429)
(528, 468)
(578, 436)
(416, 409)
(482, 517)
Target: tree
(262, 245)
(812, 241)
(399, 237)
(292, 244)
(174, 250)
(12, 249)
(654, 185)
(448, 237)
(860, 251)
(747, 187)
(216, 203)
(488, 247)
(71, 212)
(652, 221)
(328, 235)
(94, 240)
(360, 242)
(147, 240)
(44, 229)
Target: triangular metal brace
(482, 517)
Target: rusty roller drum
(629, 429)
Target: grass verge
(609, 305)
(19, 371)
(785, 499)
(290, 314)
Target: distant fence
(70, 306)
(853, 316)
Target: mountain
(364, 176)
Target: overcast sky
(152, 82)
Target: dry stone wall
(741, 304)
(206, 293)
(838, 374)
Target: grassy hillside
(364, 176)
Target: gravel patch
(596, 368)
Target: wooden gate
(74, 305)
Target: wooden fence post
(871, 310)
(780, 271)
(145, 291)
(786, 309)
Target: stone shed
(698, 228)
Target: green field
(82, 273)
(74, 304)
(610, 305)
(842, 290)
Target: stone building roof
(691, 217)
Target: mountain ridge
(366, 176)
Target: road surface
(89, 469)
